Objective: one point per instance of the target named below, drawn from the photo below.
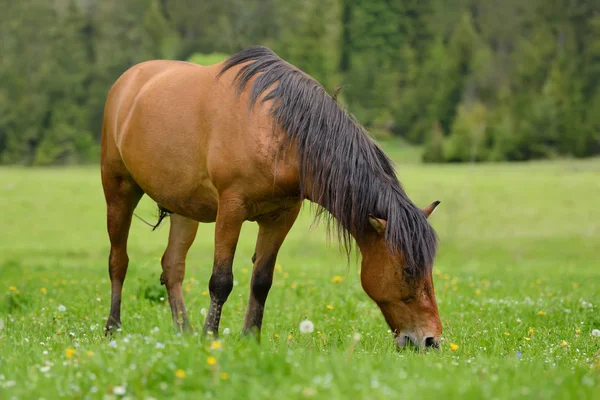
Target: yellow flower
(542, 313)
(478, 292)
(293, 285)
(90, 353)
(531, 331)
(224, 376)
(133, 297)
(12, 288)
(245, 270)
(188, 288)
(278, 268)
(528, 339)
(564, 344)
(180, 374)
(211, 360)
(337, 279)
(215, 345)
(329, 307)
(289, 337)
(578, 331)
(453, 347)
(286, 275)
(43, 290)
(276, 336)
(70, 352)
(506, 333)
(205, 293)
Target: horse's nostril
(430, 342)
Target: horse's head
(406, 301)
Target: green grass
(516, 240)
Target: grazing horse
(249, 139)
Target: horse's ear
(378, 224)
(429, 209)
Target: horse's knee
(220, 285)
(261, 284)
(173, 273)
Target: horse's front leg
(273, 229)
(230, 217)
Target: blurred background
(468, 80)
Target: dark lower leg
(230, 218)
(272, 232)
(262, 279)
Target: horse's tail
(162, 213)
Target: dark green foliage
(473, 80)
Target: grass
(516, 278)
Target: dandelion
(62, 308)
(289, 338)
(205, 293)
(306, 326)
(531, 331)
(216, 345)
(70, 352)
(294, 285)
(278, 268)
(478, 292)
(337, 279)
(596, 333)
(43, 290)
(506, 334)
(564, 343)
(542, 313)
(329, 307)
(276, 336)
(180, 374)
(12, 288)
(90, 353)
(224, 376)
(119, 390)
(211, 360)
(578, 331)
(453, 347)
(527, 339)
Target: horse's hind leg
(181, 236)
(122, 196)
(272, 232)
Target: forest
(469, 80)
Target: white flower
(159, 345)
(45, 368)
(356, 336)
(155, 329)
(226, 331)
(203, 312)
(596, 332)
(306, 326)
(62, 308)
(119, 390)
(113, 344)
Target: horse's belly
(200, 204)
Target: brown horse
(250, 139)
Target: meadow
(517, 280)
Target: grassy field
(517, 281)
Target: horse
(250, 139)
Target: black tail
(162, 213)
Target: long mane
(341, 166)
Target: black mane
(349, 175)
